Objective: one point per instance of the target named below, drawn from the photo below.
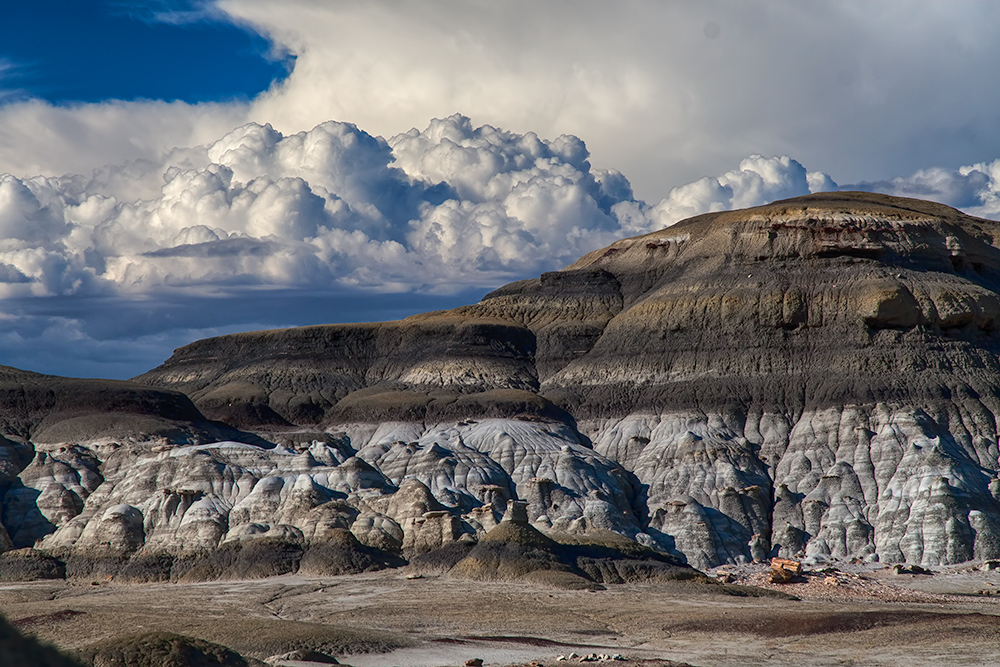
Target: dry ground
(378, 620)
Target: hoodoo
(816, 377)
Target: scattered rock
(784, 571)
(474, 662)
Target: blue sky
(179, 169)
(64, 52)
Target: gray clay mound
(516, 551)
(161, 649)
(511, 551)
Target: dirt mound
(510, 552)
(516, 551)
(161, 649)
(300, 375)
(441, 560)
(255, 559)
(30, 565)
(308, 655)
(50, 409)
(261, 558)
(341, 553)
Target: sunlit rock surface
(816, 377)
(429, 492)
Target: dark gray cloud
(120, 338)
(218, 248)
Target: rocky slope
(818, 376)
(61, 436)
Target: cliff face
(815, 376)
(818, 375)
(59, 432)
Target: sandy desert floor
(859, 616)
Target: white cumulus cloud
(758, 180)
(973, 188)
(336, 212)
(451, 205)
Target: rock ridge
(818, 377)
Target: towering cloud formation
(452, 204)
(425, 210)
(664, 90)
(335, 210)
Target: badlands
(551, 471)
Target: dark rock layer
(818, 375)
(50, 409)
(809, 303)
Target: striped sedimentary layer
(818, 376)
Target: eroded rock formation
(814, 377)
